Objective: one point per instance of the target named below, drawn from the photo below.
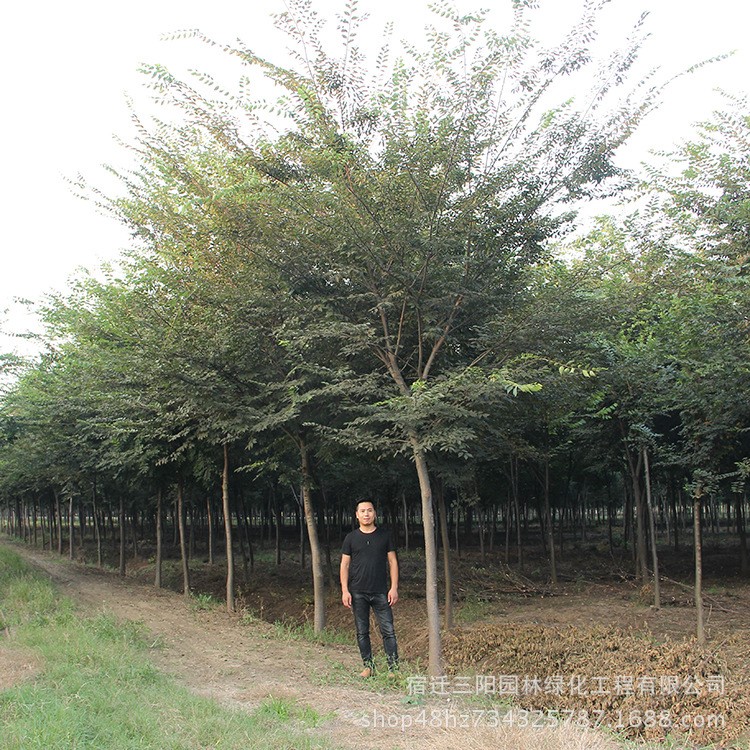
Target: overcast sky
(68, 66)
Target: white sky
(67, 67)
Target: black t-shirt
(368, 570)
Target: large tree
(399, 208)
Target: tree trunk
(210, 522)
(634, 466)
(121, 522)
(319, 617)
(134, 531)
(42, 515)
(228, 530)
(327, 533)
(301, 525)
(516, 508)
(435, 661)
(190, 519)
(508, 517)
(652, 530)
(739, 515)
(447, 575)
(697, 495)
(58, 515)
(70, 526)
(159, 538)
(183, 540)
(243, 532)
(97, 526)
(548, 521)
(493, 529)
(406, 521)
(277, 518)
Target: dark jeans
(361, 604)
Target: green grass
(290, 631)
(473, 609)
(98, 689)
(204, 602)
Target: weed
(203, 602)
(284, 710)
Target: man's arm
(393, 569)
(346, 597)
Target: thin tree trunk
(406, 521)
(242, 537)
(508, 518)
(493, 529)
(210, 522)
(277, 518)
(134, 531)
(301, 522)
(243, 528)
(159, 538)
(697, 495)
(319, 617)
(228, 529)
(183, 540)
(122, 535)
(97, 526)
(641, 544)
(456, 516)
(70, 526)
(634, 467)
(447, 575)
(548, 521)
(739, 515)
(42, 515)
(435, 660)
(652, 530)
(190, 518)
(517, 509)
(58, 512)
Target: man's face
(366, 514)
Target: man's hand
(346, 597)
(393, 596)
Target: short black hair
(365, 500)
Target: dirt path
(240, 665)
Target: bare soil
(508, 625)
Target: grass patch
(204, 602)
(276, 710)
(291, 631)
(473, 609)
(98, 689)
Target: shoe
(366, 672)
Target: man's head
(365, 513)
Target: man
(367, 556)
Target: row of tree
(364, 290)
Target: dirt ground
(506, 625)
